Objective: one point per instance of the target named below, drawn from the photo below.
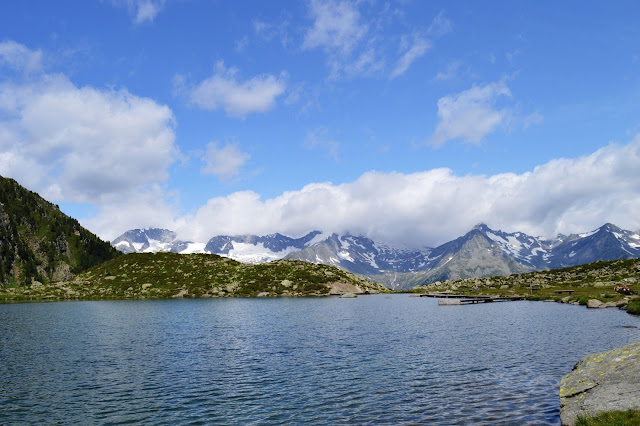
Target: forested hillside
(39, 242)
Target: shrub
(583, 300)
(633, 307)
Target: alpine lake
(374, 359)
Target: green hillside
(577, 284)
(166, 275)
(40, 243)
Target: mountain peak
(481, 227)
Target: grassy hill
(590, 281)
(167, 275)
(40, 243)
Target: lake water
(369, 360)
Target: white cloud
(440, 25)
(470, 115)
(237, 98)
(319, 138)
(149, 207)
(141, 10)
(450, 72)
(359, 38)
(418, 49)
(82, 144)
(336, 26)
(435, 206)
(224, 162)
(533, 118)
(18, 57)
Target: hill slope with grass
(40, 243)
(577, 284)
(171, 275)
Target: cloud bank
(435, 206)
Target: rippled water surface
(236, 361)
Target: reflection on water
(321, 360)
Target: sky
(406, 121)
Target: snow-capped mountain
(244, 248)
(152, 240)
(255, 249)
(362, 255)
(605, 243)
(481, 252)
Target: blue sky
(407, 121)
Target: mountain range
(481, 252)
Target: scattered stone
(146, 286)
(263, 294)
(601, 382)
(180, 294)
(286, 283)
(110, 278)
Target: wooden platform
(465, 299)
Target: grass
(167, 275)
(611, 418)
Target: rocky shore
(600, 382)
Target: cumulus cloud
(223, 162)
(238, 98)
(19, 58)
(418, 49)
(470, 115)
(82, 144)
(435, 206)
(141, 10)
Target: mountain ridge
(481, 252)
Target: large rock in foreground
(602, 382)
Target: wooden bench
(563, 291)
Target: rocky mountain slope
(171, 275)
(482, 252)
(39, 242)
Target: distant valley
(482, 252)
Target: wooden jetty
(465, 299)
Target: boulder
(601, 382)
(594, 303)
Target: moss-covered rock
(601, 382)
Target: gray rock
(601, 382)
(594, 303)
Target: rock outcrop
(602, 382)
